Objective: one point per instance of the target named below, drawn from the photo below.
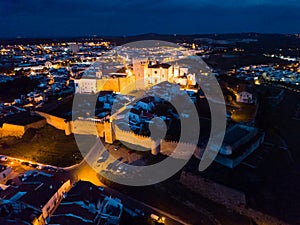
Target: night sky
(66, 18)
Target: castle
(142, 73)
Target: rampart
(18, 131)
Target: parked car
(3, 158)
(60, 170)
(120, 168)
(101, 188)
(10, 182)
(100, 159)
(34, 165)
(117, 147)
(49, 168)
(103, 157)
(25, 163)
(40, 167)
(157, 219)
(30, 172)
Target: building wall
(116, 84)
(156, 75)
(127, 84)
(5, 173)
(244, 97)
(108, 84)
(140, 68)
(152, 76)
(53, 202)
(246, 146)
(86, 85)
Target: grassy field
(46, 145)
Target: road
(175, 211)
(84, 171)
(148, 199)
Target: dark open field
(46, 145)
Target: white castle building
(152, 73)
(144, 73)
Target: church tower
(140, 68)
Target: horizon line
(143, 34)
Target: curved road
(176, 212)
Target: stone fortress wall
(57, 122)
(213, 191)
(105, 130)
(18, 131)
(78, 126)
(230, 198)
(110, 132)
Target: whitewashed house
(146, 104)
(244, 97)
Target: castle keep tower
(140, 68)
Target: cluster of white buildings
(268, 73)
(152, 73)
(41, 198)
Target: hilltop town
(58, 99)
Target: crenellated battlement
(111, 132)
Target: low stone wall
(213, 191)
(228, 197)
(57, 122)
(36, 125)
(183, 150)
(12, 130)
